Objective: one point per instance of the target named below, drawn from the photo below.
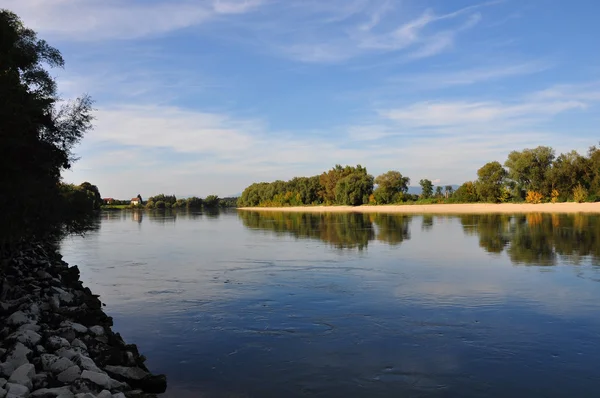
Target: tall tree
(426, 188)
(530, 169)
(491, 181)
(36, 133)
(390, 187)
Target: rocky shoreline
(55, 339)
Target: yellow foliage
(554, 196)
(534, 197)
(534, 219)
(580, 194)
(372, 200)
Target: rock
(54, 302)
(19, 354)
(79, 328)
(29, 326)
(6, 369)
(2, 383)
(23, 375)
(122, 372)
(52, 393)
(34, 310)
(43, 275)
(84, 395)
(27, 337)
(3, 393)
(2, 352)
(97, 330)
(17, 390)
(86, 363)
(56, 342)
(79, 344)
(54, 364)
(104, 394)
(100, 379)
(119, 395)
(40, 349)
(40, 380)
(69, 375)
(17, 319)
(66, 353)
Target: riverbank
(465, 208)
(56, 341)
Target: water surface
(353, 305)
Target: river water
(245, 304)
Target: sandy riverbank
(470, 208)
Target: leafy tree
(194, 203)
(94, 194)
(426, 188)
(491, 182)
(211, 201)
(390, 187)
(354, 189)
(568, 171)
(37, 135)
(448, 190)
(438, 192)
(530, 169)
(466, 193)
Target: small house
(136, 201)
(108, 201)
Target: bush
(534, 197)
(554, 196)
(160, 204)
(580, 194)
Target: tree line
(531, 175)
(163, 201)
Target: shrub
(554, 196)
(160, 204)
(534, 197)
(580, 194)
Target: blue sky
(208, 96)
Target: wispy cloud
(468, 76)
(113, 19)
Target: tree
(438, 192)
(466, 193)
(211, 201)
(530, 169)
(426, 188)
(37, 135)
(354, 189)
(491, 182)
(390, 187)
(448, 189)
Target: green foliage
(37, 135)
(426, 188)
(211, 201)
(391, 187)
(466, 193)
(530, 169)
(194, 203)
(490, 184)
(354, 189)
(170, 199)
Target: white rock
(52, 393)
(17, 390)
(134, 373)
(34, 309)
(17, 319)
(69, 375)
(18, 356)
(100, 379)
(54, 364)
(86, 363)
(97, 330)
(66, 353)
(79, 328)
(23, 375)
(104, 394)
(27, 337)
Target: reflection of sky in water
(230, 308)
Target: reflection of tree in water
(340, 230)
(537, 238)
(392, 229)
(427, 222)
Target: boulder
(52, 393)
(23, 375)
(56, 342)
(17, 319)
(6, 369)
(54, 364)
(19, 354)
(86, 363)
(97, 330)
(69, 375)
(17, 390)
(79, 328)
(27, 337)
(99, 379)
(3, 393)
(104, 394)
